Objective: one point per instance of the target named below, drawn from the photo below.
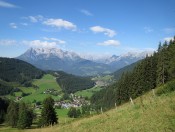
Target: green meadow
(37, 94)
(88, 92)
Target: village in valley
(75, 101)
(71, 100)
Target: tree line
(21, 115)
(153, 71)
(70, 83)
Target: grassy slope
(88, 92)
(148, 114)
(47, 82)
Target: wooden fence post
(131, 101)
(115, 106)
(101, 110)
(153, 92)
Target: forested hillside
(20, 72)
(117, 74)
(71, 83)
(153, 71)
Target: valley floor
(148, 114)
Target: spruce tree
(171, 49)
(74, 113)
(25, 116)
(12, 114)
(48, 114)
(162, 65)
(3, 109)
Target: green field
(88, 92)
(46, 82)
(62, 115)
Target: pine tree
(48, 114)
(86, 109)
(78, 113)
(171, 49)
(3, 109)
(12, 114)
(162, 65)
(25, 116)
(74, 113)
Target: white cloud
(86, 12)
(148, 29)
(35, 19)
(47, 42)
(13, 25)
(110, 43)
(7, 42)
(39, 43)
(60, 23)
(55, 39)
(7, 5)
(106, 31)
(168, 39)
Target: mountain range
(70, 62)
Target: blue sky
(99, 27)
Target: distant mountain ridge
(70, 62)
(128, 55)
(57, 59)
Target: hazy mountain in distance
(116, 62)
(57, 59)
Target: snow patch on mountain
(45, 53)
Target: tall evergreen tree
(162, 64)
(3, 109)
(74, 113)
(48, 114)
(25, 116)
(171, 49)
(12, 114)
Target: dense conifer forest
(13, 70)
(71, 83)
